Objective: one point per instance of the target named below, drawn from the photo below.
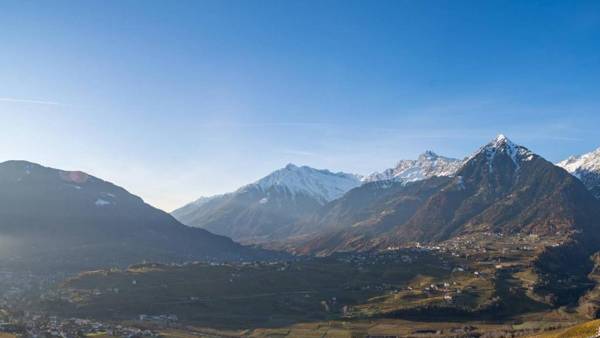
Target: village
(33, 325)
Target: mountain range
(503, 187)
(54, 217)
(280, 204)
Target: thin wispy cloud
(29, 101)
(298, 152)
(263, 124)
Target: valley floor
(479, 285)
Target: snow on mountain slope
(585, 162)
(322, 185)
(257, 211)
(501, 144)
(428, 164)
(585, 167)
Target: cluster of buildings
(21, 290)
(51, 326)
(389, 256)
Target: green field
(246, 295)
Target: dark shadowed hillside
(363, 213)
(50, 217)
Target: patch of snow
(461, 183)
(263, 200)
(101, 202)
(26, 170)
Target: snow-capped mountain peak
(428, 155)
(586, 167)
(321, 184)
(501, 138)
(501, 142)
(259, 210)
(585, 162)
(502, 145)
(426, 165)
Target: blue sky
(178, 99)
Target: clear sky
(178, 99)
